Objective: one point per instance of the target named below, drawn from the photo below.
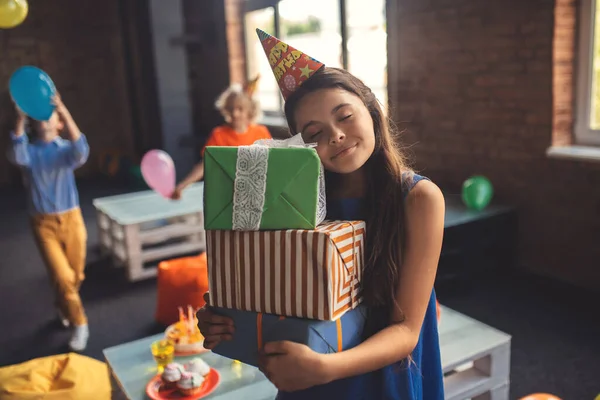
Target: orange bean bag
(181, 282)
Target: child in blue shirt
(48, 162)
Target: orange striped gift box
(313, 274)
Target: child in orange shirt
(239, 110)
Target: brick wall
(564, 46)
(235, 31)
(472, 82)
(79, 44)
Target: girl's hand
(292, 366)
(213, 327)
(20, 120)
(58, 103)
(176, 195)
(20, 114)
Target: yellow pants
(61, 239)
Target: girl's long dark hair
(384, 203)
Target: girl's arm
(425, 227)
(71, 127)
(19, 153)
(196, 174)
(79, 151)
(424, 231)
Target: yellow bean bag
(64, 376)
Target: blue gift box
(253, 329)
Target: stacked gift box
(275, 267)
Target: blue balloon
(32, 90)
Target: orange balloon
(540, 396)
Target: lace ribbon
(249, 187)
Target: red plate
(156, 391)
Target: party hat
(291, 67)
(250, 87)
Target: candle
(190, 321)
(181, 317)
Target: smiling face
(340, 124)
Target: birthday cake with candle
(185, 333)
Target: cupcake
(190, 383)
(198, 366)
(171, 375)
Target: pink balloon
(158, 171)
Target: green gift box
(258, 187)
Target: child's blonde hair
(232, 93)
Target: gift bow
(251, 182)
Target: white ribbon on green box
(251, 182)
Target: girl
(240, 111)
(48, 163)
(367, 179)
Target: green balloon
(477, 192)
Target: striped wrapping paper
(312, 274)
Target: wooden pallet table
(475, 358)
(141, 227)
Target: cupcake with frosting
(198, 366)
(190, 383)
(172, 374)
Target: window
(587, 120)
(350, 34)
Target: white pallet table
(475, 358)
(140, 227)
(463, 341)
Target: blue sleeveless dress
(422, 379)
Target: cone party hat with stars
(291, 67)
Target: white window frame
(254, 5)
(584, 135)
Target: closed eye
(315, 135)
(345, 118)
